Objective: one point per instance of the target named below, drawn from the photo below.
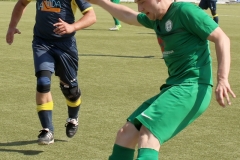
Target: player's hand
(10, 35)
(222, 92)
(63, 27)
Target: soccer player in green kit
(117, 24)
(183, 32)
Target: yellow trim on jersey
(215, 15)
(74, 104)
(87, 10)
(74, 7)
(45, 106)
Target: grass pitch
(118, 71)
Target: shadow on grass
(147, 33)
(103, 29)
(105, 55)
(25, 152)
(21, 143)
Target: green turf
(118, 71)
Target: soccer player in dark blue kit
(55, 51)
(212, 5)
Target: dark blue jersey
(49, 11)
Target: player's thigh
(43, 60)
(213, 6)
(175, 109)
(139, 110)
(67, 62)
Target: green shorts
(173, 109)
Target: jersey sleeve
(83, 5)
(145, 21)
(197, 21)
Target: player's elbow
(94, 19)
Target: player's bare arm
(15, 18)
(87, 20)
(222, 46)
(121, 12)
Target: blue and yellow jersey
(49, 11)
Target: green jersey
(182, 35)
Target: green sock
(121, 153)
(147, 154)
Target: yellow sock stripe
(74, 104)
(45, 106)
(215, 15)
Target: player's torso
(48, 13)
(182, 51)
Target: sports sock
(121, 153)
(116, 21)
(73, 108)
(45, 118)
(147, 154)
(215, 18)
(73, 112)
(45, 115)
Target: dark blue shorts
(211, 4)
(60, 57)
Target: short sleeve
(197, 21)
(83, 5)
(145, 21)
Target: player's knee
(71, 93)
(43, 81)
(128, 131)
(122, 137)
(213, 11)
(127, 137)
